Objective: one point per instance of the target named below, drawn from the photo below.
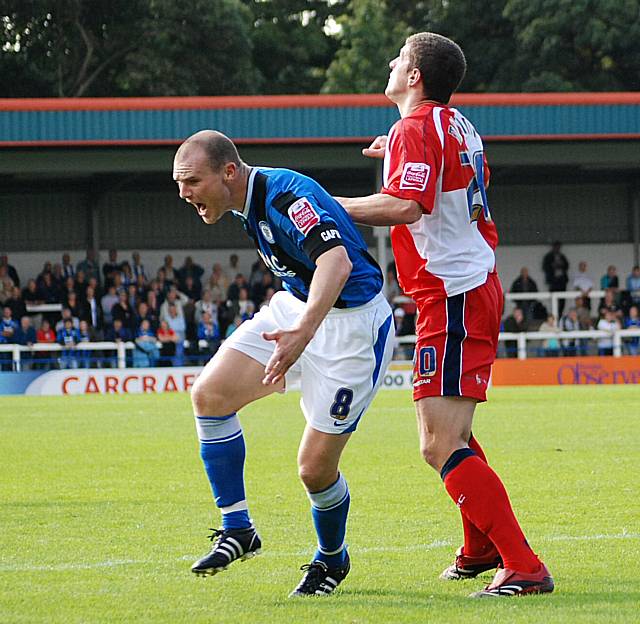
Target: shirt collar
(247, 201)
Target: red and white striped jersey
(435, 157)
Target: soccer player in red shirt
(443, 237)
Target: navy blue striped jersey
(292, 221)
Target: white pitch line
(17, 567)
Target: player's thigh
(233, 377)
(229, 381)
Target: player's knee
(206, 401)
(314, 478)
(432, 451)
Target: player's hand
(290, 343)
(377, 147)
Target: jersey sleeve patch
(322, 238)
(303, 215)
(415, 176)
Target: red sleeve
(412, 161)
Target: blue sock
(222, 450)
(329, 509)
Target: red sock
(476, 543)
(483, 500)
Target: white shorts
(342, 367)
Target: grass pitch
(104, 505)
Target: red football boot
(466, 567)
(508, 582)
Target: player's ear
(229, 171)
(414, 77)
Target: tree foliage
(215, 47)
(370, 39)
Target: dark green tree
(292, 42)
(370, 38)
(576, 45)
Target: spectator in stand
(116, 332)
(8, 328)
(26, 336)
(206, 304)
(514, 323)
(237, 321)
(175, 298)
(633, 285)
(85, 334)
(145, 313)
(556, 271)
(160, 285)
(91, 311)
(218, 283)
(632, 322)
(154, 305)
(49, 292)
(127, 275)
(610, 279)
(146, 352)
(68, 269)
(584, 315)
(170, 272)
(68, 337)
(141, 288)
(582, 281)
(178, 324)
(132, 296)
(524, 284)
(609, 303)
(6, 285)
(11, 270)
(234, 265)
(572, 346)
(192, 289)
(73, 304)
(610, 323)
(258, 269)
(89, 266)
(80, 285)
(138, 269)
(259, 290)
(67, 316)
(95, 284)
(45, 335)
(47, 267)
(16, 303)
(110, 268)
(208, 335)
(190, 269)
(124, 312)
(168, 339)
(393, 289)
(233, 294)
(267, 298)
(67, 286)
(58, 278)
(30, 294)
(107, 302)
(550, 346)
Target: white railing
(523, 338)
(553, 297)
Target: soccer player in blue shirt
(330, 329)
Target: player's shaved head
(218, 147)
(441, 63)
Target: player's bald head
(218, 147)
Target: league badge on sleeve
(415, 176)
(303, 215)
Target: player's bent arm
(381, 209)
(333, 268)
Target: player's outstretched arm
(381, 209)
(377, 147)
(333, 268)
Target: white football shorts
(342, 367)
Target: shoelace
(216, 534)
(315, 571)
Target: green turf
(104, 505)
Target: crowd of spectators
(175, 316)
(181, 315)
(617, 309)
